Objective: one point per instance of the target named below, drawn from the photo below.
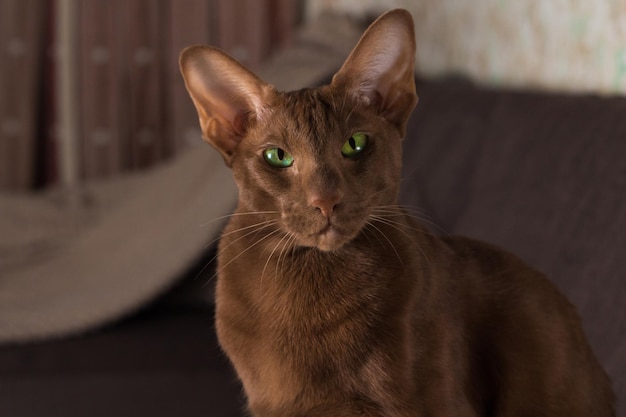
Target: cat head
(319, 159)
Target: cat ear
(227, 96)
(380, 68)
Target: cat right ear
(380, 68)
(227, 96)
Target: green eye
(278, 158)
(355, 145)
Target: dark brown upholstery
(542, 175)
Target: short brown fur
(334, 301)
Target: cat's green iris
(355, 145)
(278, 158)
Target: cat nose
(325, 204)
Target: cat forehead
(312, 112)
(306, 106)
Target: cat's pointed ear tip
(398, 15)
(189, 51)
(194, 51)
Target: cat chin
(329, 240)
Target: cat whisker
(399, 208)
(228, 216)
(366, 234)
(257, 228)
(423, 216)
(245, 213)
(419, 215)
(400, 227)
(256, 225)
(390, 219)
(272, 254)
(371, 224)
(241, 253)
(286, 246)
(291, 243)
(395, 224)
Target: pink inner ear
(392, 92)
(380, 67)
(241, 122)
(225, 93)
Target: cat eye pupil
(278, 158)
(352, 143)
(355, 145)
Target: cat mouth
(329, 238)
(329, 228)
(326, 236)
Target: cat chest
(295, 337)
(301, 323)
(283, 361)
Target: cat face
(322, 160)
(319, 159)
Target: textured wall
(571, 45)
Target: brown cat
(334, 301)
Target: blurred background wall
(565, 45)
(91, 88)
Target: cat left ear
(379, 69)
(227, 96)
